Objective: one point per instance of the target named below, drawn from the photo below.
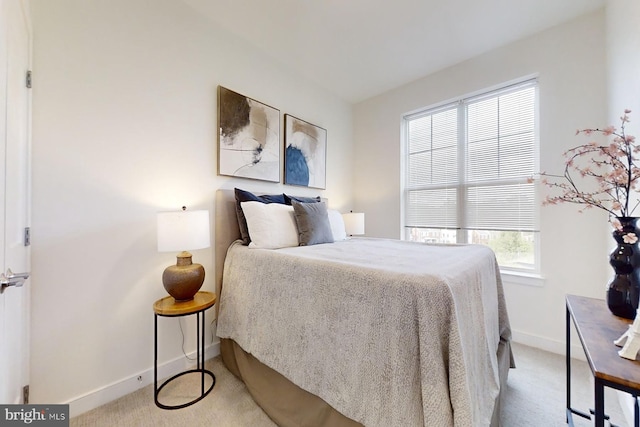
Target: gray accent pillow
(313, 223)
(288, 199)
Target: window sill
(520, 278)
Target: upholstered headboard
(226, 230)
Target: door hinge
(28, 79)
(25, 395)
(27, 236)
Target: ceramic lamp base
(183, 280)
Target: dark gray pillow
(288, 199)
(313, 223)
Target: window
(467, 166)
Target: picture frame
(305, 155)
(248, 137)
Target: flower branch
(610, 171)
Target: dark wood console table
(597, 329)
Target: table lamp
(353, 223)
(183, 231)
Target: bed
(363, 331)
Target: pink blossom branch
(613, 168)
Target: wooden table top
(597, 328)
(168, 306)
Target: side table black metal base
(191, 402)
(198, 310)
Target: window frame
(461, 184)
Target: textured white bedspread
(389, 333)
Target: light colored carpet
(536, 391)
(535, 397)
(228, 405)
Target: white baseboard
(546, 344)
(125, 386)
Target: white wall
(124, 125)
(623, 61)
(623, 84)
(570, 62)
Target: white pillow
(271, 225)
(337, 225)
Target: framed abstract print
(249, 137)
(305, 158)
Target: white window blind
(432, 197)
(468, 163)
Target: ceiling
(360, 48)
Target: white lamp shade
(354, 223)
(183, 231)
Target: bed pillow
(289, 199)
(337, 225)
(271, 225)
(246, 196)
(313, 224)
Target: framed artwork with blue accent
(305, 156)
(249, 137)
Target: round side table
(169, 307)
